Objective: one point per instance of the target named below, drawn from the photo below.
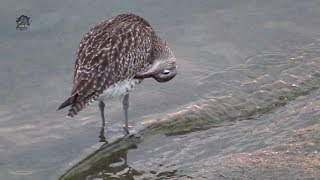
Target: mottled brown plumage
(113, 51)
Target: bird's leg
(101, 136)
(125, 104)
(101, 107)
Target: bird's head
(162, 70)
(167, 70)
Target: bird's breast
(119, 89)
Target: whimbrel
(113, 57)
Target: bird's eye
(165, 72)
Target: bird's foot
(130, 135)
(133, 136)
(125, 131)
(102, 138)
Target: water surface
(244, 67)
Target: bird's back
(111, 52)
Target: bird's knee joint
(125, 105)
(101, 104)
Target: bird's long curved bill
(146, 74)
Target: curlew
(115, 56)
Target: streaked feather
(111, 52)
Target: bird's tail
(71, 101)
(68, 102)
(76, 103)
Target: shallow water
(246, 71)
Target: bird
(113, 57)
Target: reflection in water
(110, 161)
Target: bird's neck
(161, 50)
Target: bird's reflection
(110, 161)
(119, 168)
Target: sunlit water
(245, 98)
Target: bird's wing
(112, 51)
